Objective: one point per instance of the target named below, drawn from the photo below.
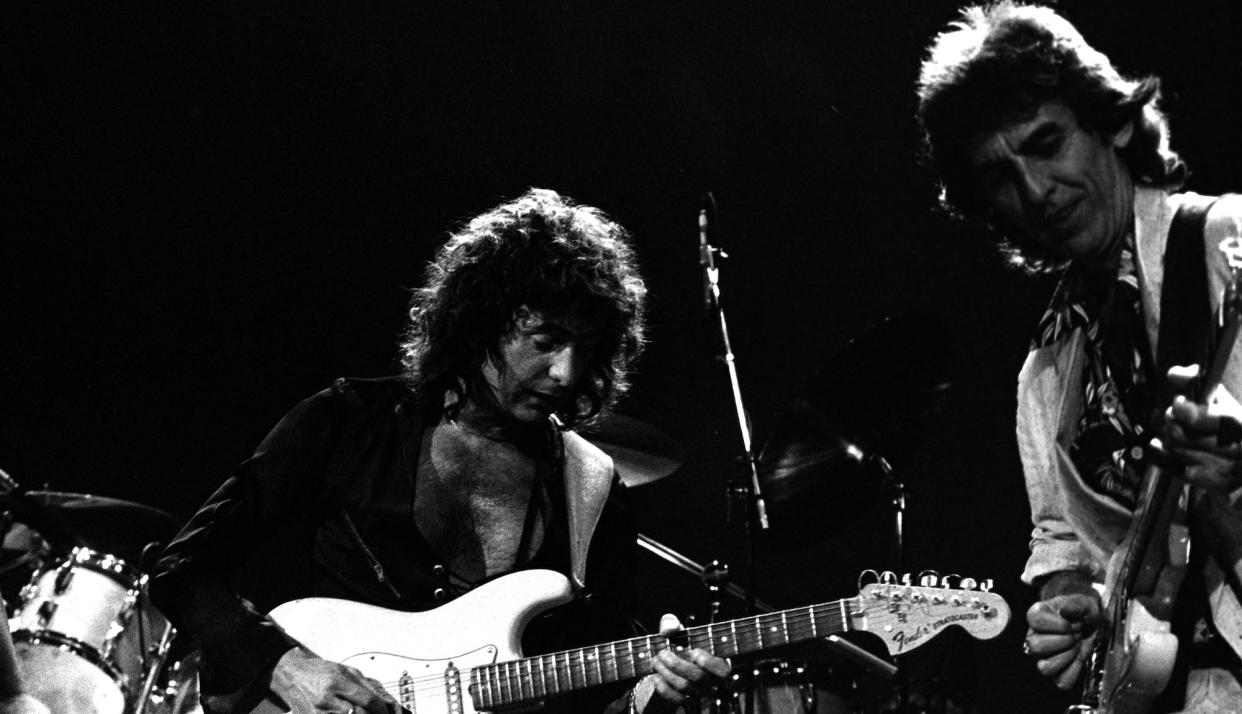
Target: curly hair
(543, 251)
(997, 65)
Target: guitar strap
(1186, 320)
(1186, 336)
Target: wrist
(284, 673)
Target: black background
(217, 208)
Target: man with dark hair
(410, 491)
(1034, 133)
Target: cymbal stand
(751, 492)
(895, 489)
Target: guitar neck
(534, 678)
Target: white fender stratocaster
(464, 656)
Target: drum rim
(78, 648)
(95, 560)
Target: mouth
(1061, 218)
(547, 397)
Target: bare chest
(477, 503)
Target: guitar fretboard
(535, 678)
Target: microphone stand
(750, 492)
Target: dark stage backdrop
(214, 209)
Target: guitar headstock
(906, 616)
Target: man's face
(1058, 184)
(542, 359)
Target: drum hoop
(77, 647)
(104, 564)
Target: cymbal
(640, 452)
(864, 411)
(108, 525)
(814, 478)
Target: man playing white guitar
(403, 493)
(1034, 133)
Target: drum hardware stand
(896, 491)
(715, 576)
(699, 571)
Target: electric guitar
(464, 656)
(1134, 652)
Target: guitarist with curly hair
(406, 492)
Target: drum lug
(46, 611)
(64, 576)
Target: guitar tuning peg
(947, 580)
(969, 584)
(867, 577)
(888, 577)
(987, 585)
(907, 579)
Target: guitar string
(587, 668)
(503, 681)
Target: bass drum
(781, 686)
(87, 639)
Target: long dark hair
(539, 250)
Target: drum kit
(86, 637)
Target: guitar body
(1139, 669)
(1143, 649)
(482, 627)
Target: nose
(566, 365)
(1034, 188)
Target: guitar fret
(616, 672)
(556, 679)
(507, 675)
(515, 671)
(543, 676)
(785, 626)
(485, 687)
(530, 677)
(489, 694)
(509, 682)
(845, 620)
(807, 629)
(499, 687)
(814, 630)
(599, 666)
(733, 637)
(644, 655)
